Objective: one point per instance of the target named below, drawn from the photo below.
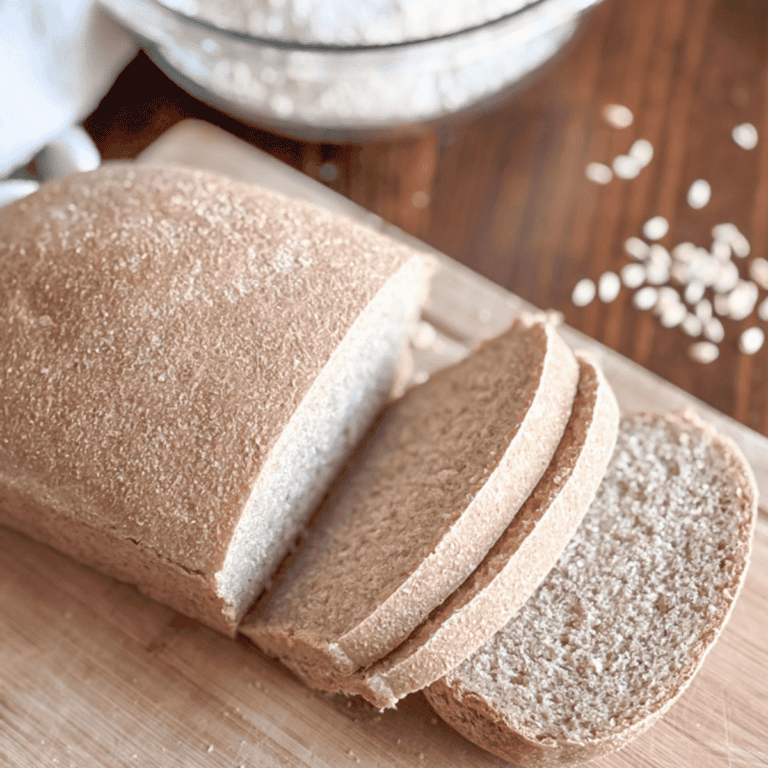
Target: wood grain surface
(504, 191)
(94, 674)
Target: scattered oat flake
(721, 250)
(704, 267)
(328, 172)
(684, 251)
(673, 315)
(636, 248)
(726, 232)
(626, 167)
(657, 273)
(658, 265)
(742, 300)
(681, 272)
(646, 298)
(659, 254)
(722, 305)
(420, 199)
(600, 173)
(745, 135)
(617, 115)
(655, 228)
(583, 292)
(642, 151)
(633, 275)
(751, 340)
(703, 352)
(740, 246)
(699, 193)
(608, 287)
(692, 325)
(694, 291)
(703, 310)
(762, 310)
(713, 330)
(667, 296)
(758, 271)
(727, 277)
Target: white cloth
(57, 59)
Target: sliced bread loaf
(516, 563)
(622, 623)
(185, 363)
(436, 482)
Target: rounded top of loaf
(159, 327)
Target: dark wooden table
(505, 191)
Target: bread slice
(186, 362)
(438, 479)
(516, 563)
(619, 628)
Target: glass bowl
(333, 93)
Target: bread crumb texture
(388, 546)
(623, 621)
(159, 328)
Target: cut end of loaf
(163, 327)
(624, 620)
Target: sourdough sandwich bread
(435, 483)
(186, 362)
(622, 623)
(516, 563)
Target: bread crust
(160, 328)
(486, 723)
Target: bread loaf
(186, 362)
(435, 483)
(620, 626)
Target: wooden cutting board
(94, 674)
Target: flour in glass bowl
(316, 91)
(346, 23)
